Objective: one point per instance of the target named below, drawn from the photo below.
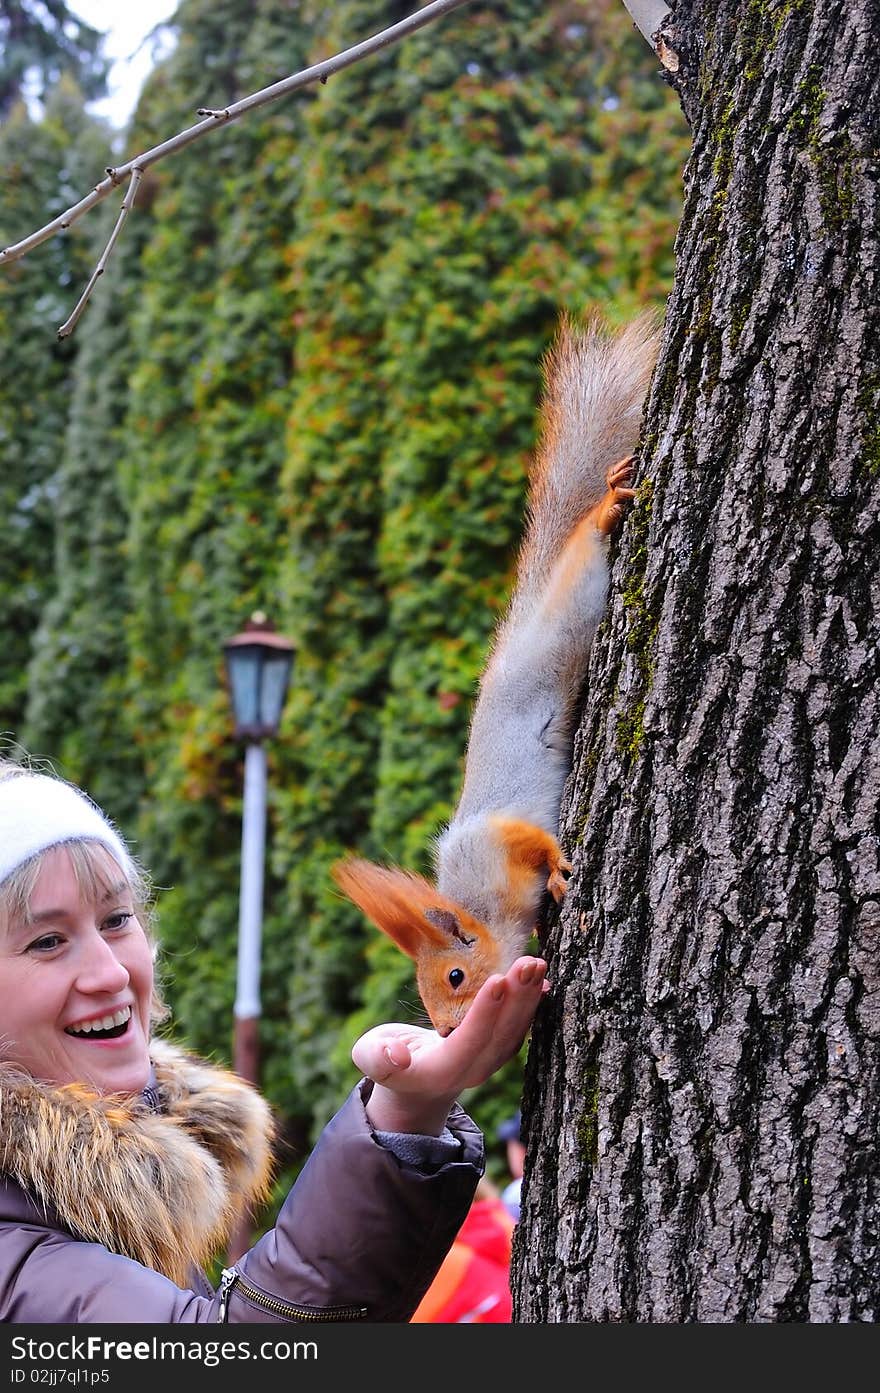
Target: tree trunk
(703, 1085)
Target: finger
(398, 1054)
(380, 1057)
(529, 965)
(526, 981)
(502, 1022)
(485, 1009)
(529, 970)
(470, 1039)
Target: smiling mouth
(109, 1027)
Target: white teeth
(105, 1023)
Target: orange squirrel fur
(500, 853)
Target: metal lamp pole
(258, 664)
(247, 1008)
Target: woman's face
(76, 982)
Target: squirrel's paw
(557, 882)
(620, 475)
(610, 509)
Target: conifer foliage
(44, 163)
(41, 41)
(308, 385)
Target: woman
(125, 1161)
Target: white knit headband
(37, 811)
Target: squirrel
(500, 853)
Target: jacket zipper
(231, 1277)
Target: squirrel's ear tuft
(391, 898)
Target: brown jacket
(109, 1211)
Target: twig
(69, 325)
(319, 72)
(648, 14)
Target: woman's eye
(116, 921)
(456, 977)
(45, 944)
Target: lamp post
(258, 664)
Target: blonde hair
(91, 862)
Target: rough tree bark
(702, 1096)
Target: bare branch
(319, 72)
(70, 324)
(648, 15)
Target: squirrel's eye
(456, 977)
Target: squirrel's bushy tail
(595, 382)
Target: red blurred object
(473, 1285)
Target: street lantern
(258, 664)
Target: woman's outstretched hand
(418, 1074)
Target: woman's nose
(100, 970)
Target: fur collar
(164, 1188)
